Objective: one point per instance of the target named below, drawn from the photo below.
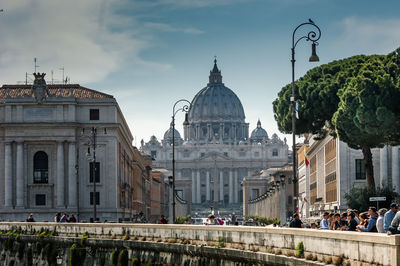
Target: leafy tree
(365, 118)
(358, 197)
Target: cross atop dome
(259, 123)
(215, 73)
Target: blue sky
(150, 53)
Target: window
(97, 170)
(254, 193)
(226, 154)
(179, 193)
(94, 114)
(40, 199)
(202, 154)
(40, 168)
(256, 154)
(97, 198)
(154, 154)
(360, 169)
(275, 152)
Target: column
(231, 200)
(235, 186)
(208, 186)
(193, 187)
(395, 168)
(20, 174)
(72, 186)
(384, 166)
(60, 174)
(198, 187)
(8, 176)
(221, 186)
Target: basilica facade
(216, 151)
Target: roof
(56, 90)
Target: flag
(306, 159)
(305, 200)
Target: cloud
(371, 35)
(168, 28)
(89, 38)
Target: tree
(358, 197)
(364, 118)
(316, 96)
(356, 98)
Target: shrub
(77, 255)
(123, 258)
(221, 242)
(135, 262)
(300, 249)
(114, 257)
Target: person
(324, 222)
(233, 219)
(30, 218)
(296, 222)
(363, 220)
(163, 220)
(388, 218)
(379, 221)
(373, 216)
(394, 226)
(63, 218)
(72, 219)
(57, 217)
(212, 220)
(352, 222)
(357, 216)
(313, 226)
(336, 223)
(343, 219)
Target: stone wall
(241, 244)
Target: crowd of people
(64, 218)
(380, 221)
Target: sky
(151, 53)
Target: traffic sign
(377, 199)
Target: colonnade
(24, 176)
(217, 185)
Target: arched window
(275, 152)
(40, 168)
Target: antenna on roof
(62, 68)
(35, 62)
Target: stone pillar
(209, 133)
(221, 185)
(208, 186)
(72, 186)
(20, 175)
(221, 131)
(193, 187)
(395, 168)
(198, 187)
(235, 187)
(8, 176)
(384, 166)
(60, 174)
(231, 200)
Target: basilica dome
(216, 102)
(168, 134)
(258, 133)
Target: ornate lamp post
(312, 36)
(185, 108)
(92, 143)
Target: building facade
(45, 164)
(216, 151)
(334, 169)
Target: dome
(259, 133)
(216, 102)
(168, 134)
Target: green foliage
(300, 249)
(135, 262)
(102, 260)
(358, 197)
(150, 262)
(182, 220)
(38, 247)
(85, 236)
(114, 257)
(123, 259)
(77, 254)
(263, 220)
(221, 242)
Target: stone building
(334, 169)
(269, 193)
(216, 151)
(44, 167)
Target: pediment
(214, 156)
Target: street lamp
(185, 108)
(92, 143)
(312, 36)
